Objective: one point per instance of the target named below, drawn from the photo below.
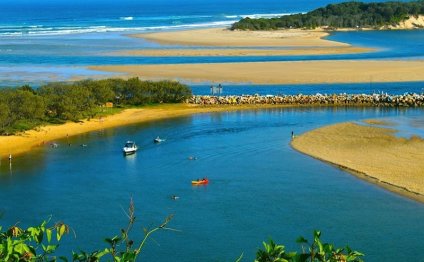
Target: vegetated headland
(370, 152)
(353, 15)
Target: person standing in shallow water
(292, 134)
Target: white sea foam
(49, 31)
(177, 22)
(266, 15)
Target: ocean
(55, 40)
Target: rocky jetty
(381, 99)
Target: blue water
(67, 37)
(310, 89)
(260, 187)
(64, 17)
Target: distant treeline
(24, 108)
(343, 15)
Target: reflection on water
(24, 165)
(259, 187)
(409, 126)
(312, 89)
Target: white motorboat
(129, 148)
(158, 140)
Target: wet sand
(371, 153)
(303, 72)
(245, 52)
(43, 136)
(243, 43)
(225, 37)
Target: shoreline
(369, 153)
(291, 72)
(42, 136)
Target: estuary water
(46, 41)
(259, 188)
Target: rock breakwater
(381, 99)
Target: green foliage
(343, 15)
(41, 242)
(38, 244)
(31, 244)
(273, 253)
(317, 251)
(24, 108)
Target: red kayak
(199, 182)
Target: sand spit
(301, 72)
(372, 153)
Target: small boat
(158, 140)
(199, 182)
(129, 148)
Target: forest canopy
(343, 15)
(24, 108)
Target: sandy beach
(372, 153)
(343, 71)
(43, 136)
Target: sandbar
(225, 37)
(370, 152)
(43, 136)
(244, 52)
(286, 42)
(298, 72)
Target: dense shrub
(24, 108)
(343, 15)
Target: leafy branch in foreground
(37, 244)
(317, 251)
(122, 248)
(31, 244)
